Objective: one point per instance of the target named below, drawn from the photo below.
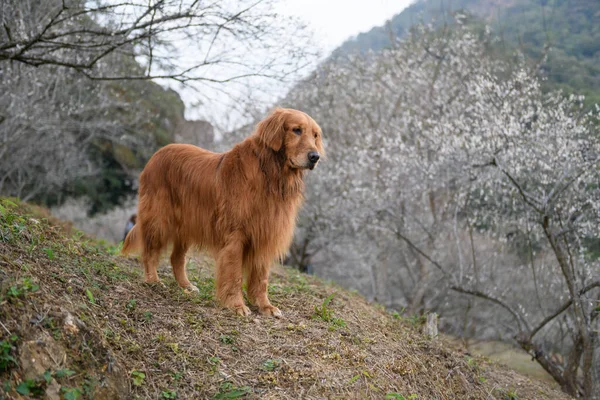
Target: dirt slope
(77, 323)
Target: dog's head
(294, 132)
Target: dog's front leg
(229, 275)
(258, 283)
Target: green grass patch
(137, 377)
(7, 349)
(325, 313)
(228, 390)
(206, 287)
(271, 365)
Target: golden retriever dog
(240, 205)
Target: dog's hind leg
(258, 281)
(178, 264)
(229, 275)
(150, 258)
(153, 246)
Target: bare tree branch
(518, 318)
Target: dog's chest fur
(265, 200)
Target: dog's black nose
(313, 157)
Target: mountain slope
(78, 323)
(570, 27)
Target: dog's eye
(297, 131)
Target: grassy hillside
(570, 27)
(77, 323)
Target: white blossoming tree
(454, 184)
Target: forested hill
(571, 27)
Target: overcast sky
(334, 21)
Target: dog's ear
(271, 130)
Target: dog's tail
(133, 241)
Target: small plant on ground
(176, 375)
(22, 288)
(473, 364)
(226, 339)
(89, 386)
(325, 313)
(49, 252)
(214, 363)
(168, 394)
(417, 319)
(131, 304)
(206, 288)
(114, 249)
(509, 394)
(229, 391)
(90, 296)
(398, 396)
(47, 375)
(65, 372)
(71, 393)
(174, 347)
(298, 284)
(337, 323)
(138, 377)
(398, 314)
(271, 365)
(6, 358)
(31, 387)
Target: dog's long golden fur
(240, 205)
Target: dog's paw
(191, 289)
(270, 311)
(242, 310)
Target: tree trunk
(584, 338)
(417, 299)
(570, 375)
